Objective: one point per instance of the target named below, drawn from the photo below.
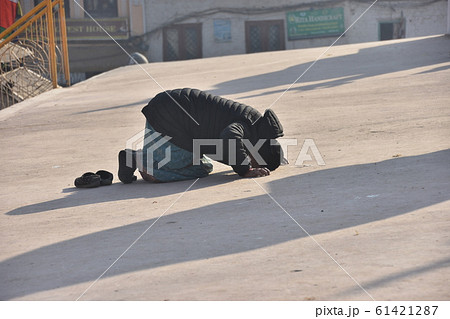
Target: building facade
(206, 28)
(167, 30)
(95, 29)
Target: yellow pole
(51, 43)
(65, 49)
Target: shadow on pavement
(397, 276)
(321, 201)
(340, 70)
(118, 191)
(142, 103)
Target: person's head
(272, 154)
(269, 127)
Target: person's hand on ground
(257, 172)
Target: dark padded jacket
(206, 116)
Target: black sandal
(88, 180)
(91, 180)
(106, 177)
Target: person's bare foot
(257, 172)
(147, 177)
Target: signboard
(87, 29)
(315, 23)
(222, 30)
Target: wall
(160, 12)
(149, 16)
(422, 17)
(426, 20)
(448, 18)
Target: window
(101, 8)
(182, 42)
(264, 36)
(392, 30)
(66, 6)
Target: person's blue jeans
(167, 162)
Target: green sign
(315, 23)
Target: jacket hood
(269, 126)
(272, 153)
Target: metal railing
(34, 54)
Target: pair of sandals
(103, 178)
(91, 180)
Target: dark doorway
(263, 36)
(101, 8)
(182, 42)
(386, 31)
(392, 30)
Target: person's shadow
(322, 201)
(119, 191)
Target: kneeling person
(177, 118)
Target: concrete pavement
(376, 215)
